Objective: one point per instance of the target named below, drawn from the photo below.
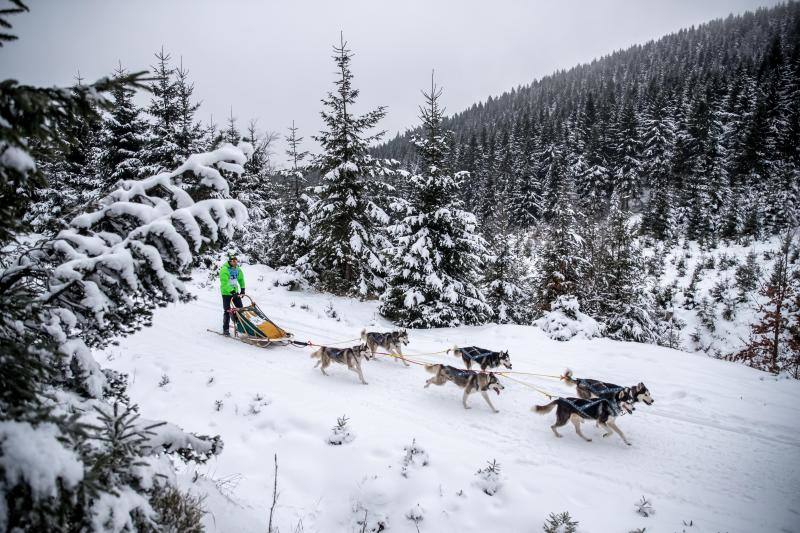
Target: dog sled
(253, 326)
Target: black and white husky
(344, 356)
(469, 380)
(593, 388)
(391, 342)
(578, 409)
(482, 357)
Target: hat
(232, 255)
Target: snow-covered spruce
(347, 219)
(506, 278)
(489, 480)
(257, 190)
(98, 279)
(293, 231)
(644, 507)
(341, 433)
(625, 303)
(438, 253)
(415, 457)
(560, 523)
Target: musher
(231, 284)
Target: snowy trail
(720, 446)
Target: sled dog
(344, 356)
(391, 342)
(482, 357)
(575, 410)
(592, 388)
(469, 380)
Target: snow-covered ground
(719, 449)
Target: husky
(481, 356)
(578, 409)
(469, 380)
(344, 356)
(391, 342)
(592, 388)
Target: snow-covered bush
(416, 514)
(644, 507)
(415, 457)
(560, 523)
(257, 404)
(371, 505)
(489, 478)
(341, 432)
(177, 511)
(565, 321)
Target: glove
(241, 292)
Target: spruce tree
(627, 307)
(628, 176)
(124, 136)
(256, 189)
(525, 193)
(294, 225)
(561, 263)
(593, 176)
(347, 221)
(188, 133)
(658, 132)
(438, 253)
(162, 151)
(72, 168)
(506, 280)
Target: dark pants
(226, 304)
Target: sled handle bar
(252, 302)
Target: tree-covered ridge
(707, 116)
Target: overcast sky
(270, 60)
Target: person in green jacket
(231, 284)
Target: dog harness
(598, 388)
(476, 354)
(582, 409)
(458, 372)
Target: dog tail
(316, 354)
(544, 409)
(567, 377)
(433, 368)
(453, 349)
(363, 336)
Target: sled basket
(252, 323)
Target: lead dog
(469, 380)
(578, 409)
(481, 356)
(391, 342)
(589, 388)
(344, 356)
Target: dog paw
(496, 411)
(588, 440)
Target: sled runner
(254, 327)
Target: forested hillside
(699, 131)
